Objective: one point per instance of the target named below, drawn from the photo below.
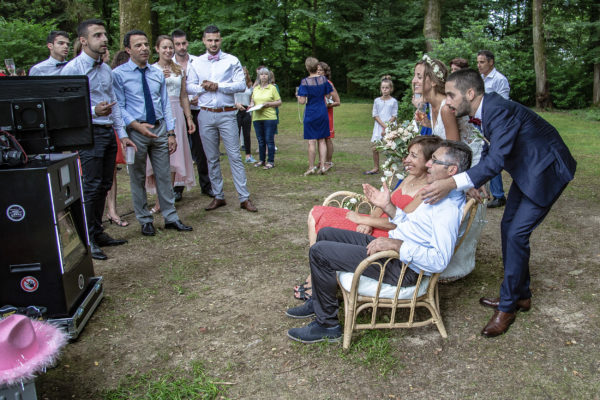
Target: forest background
(360, 39)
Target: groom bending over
(424, 239)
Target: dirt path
(218, 295)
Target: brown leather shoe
(498, 324)
(215, 203)
(248, 206)
(492, 302)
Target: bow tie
(61, 64)
(213, 58)
(98, 62)
(475, 121)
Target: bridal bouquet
(394, 147)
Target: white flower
(382, 180)
(387, 173)
(394, 167)
(400, 176)
(353, 200)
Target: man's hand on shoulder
(437, 190)
(383, 244)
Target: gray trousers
(213, 127)
(158, 151)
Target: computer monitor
(47, 114)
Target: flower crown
(436, 69)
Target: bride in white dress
(429, 80)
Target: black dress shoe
(208, 192)
(97, 253)
(178, 225)
(497, 202)
(498, 324)
(148, 229)
(178, 196)
(103, 240)
(493, 302)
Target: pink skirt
(181, 161)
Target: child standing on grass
(385, 110)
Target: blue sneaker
(306, 310)
(315, 332)
(250, 160)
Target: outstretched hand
(379, 198)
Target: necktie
(61, 64)
(475, 121)
(150, 115)
(98, 62)
(213, 58)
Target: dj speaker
(45, 257)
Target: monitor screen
(47, 114)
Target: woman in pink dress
(182, 164)
(406, 197)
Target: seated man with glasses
(424, 239)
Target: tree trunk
(135, 14)
(542, 92)
(594, 45)
(432, 27)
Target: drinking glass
(10, 66)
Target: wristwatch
(170, 133)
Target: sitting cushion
(368, 286)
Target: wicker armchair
(361, 292)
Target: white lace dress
(181, 161)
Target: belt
(219, 109)
(105, 126)
(158, 121)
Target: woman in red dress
(406, 197)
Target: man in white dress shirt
(424, 239)
(58, 44)
(98, 163)
(183, 58)
(493, 81)
(214, 77)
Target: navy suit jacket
(526, 146)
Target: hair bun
(386, 78)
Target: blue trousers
(496, 187)
(521, 217)
(265, 134)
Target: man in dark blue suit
(540, 164)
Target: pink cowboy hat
(26, 347)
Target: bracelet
(170, 134)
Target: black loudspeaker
(29, 115)
(46, 259)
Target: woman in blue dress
(312, 92)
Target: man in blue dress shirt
(424, 239)
(58, 44)
(98, 163)
(142, 96)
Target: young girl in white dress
(385, 110)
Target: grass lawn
(201, 314)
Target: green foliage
(24, 42)
(175, 385)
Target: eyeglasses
(440, 162)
